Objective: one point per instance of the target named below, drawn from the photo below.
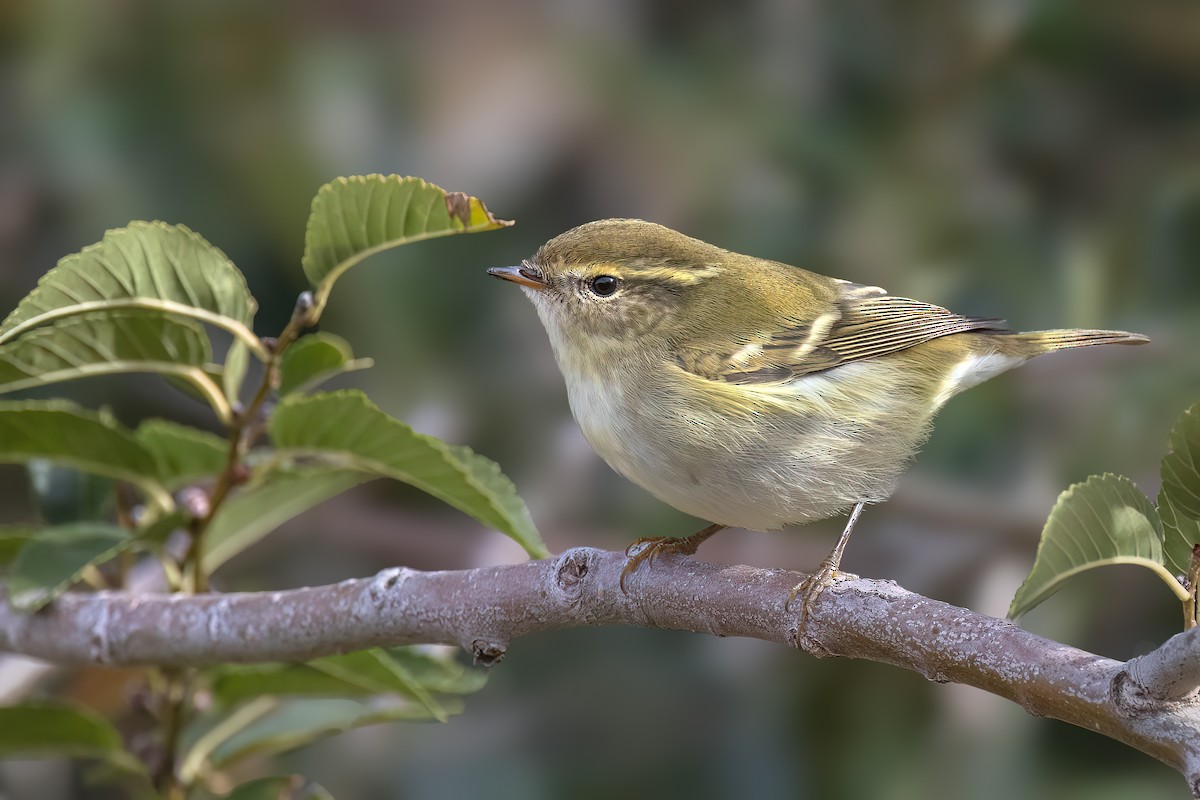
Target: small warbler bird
(750, 393)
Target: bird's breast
(782, 455)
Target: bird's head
(617, 287)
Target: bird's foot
(651, 547)
(827, 575)
(809, 589)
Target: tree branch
(1150, 703)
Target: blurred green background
(1033, 160)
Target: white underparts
(972, 370)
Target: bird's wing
(865, 322)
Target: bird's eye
(604, 285)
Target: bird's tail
(1037, 342)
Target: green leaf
(110, 343)
(148, 265)
(1104, 520)
(49, 730)
(1180, 533)
(64, 433)
(155, 532)
(376, 668)
(65, 495)
(56, 557)
(348, 429)
(356, 217)
(216, 377)
(12, 539)
(1181, 466)
(237, 360)
(274, 707)
(437, 668)
(295, 723)
(1179, 497)
(206, 732)
(280, 787)
(258, 509)
(314, 359)
(184, 454)
(236, 683)
(405, 671)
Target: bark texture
(1151, 703)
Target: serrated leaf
(348, 429)
(148, 265)
(184, 454)
(56, 557)
(109, 343)
(355, 217)
(42, 730)
(258, 509)
(280, 787)
(314, 359)
(295, 723)
(1104, 520)
(1179, 492)
(64, 433)
(100, 342)
(1180, 533)
(1181, 466)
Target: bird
(751, 393)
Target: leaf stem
(234, 326)
(216, 398)
(243, 429)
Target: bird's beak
(524, 275)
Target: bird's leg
(654, 546)
(826, 575)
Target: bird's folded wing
(865, 322)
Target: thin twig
(243, 429)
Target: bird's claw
(647, 550)
(654, 546)
(809, 589)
